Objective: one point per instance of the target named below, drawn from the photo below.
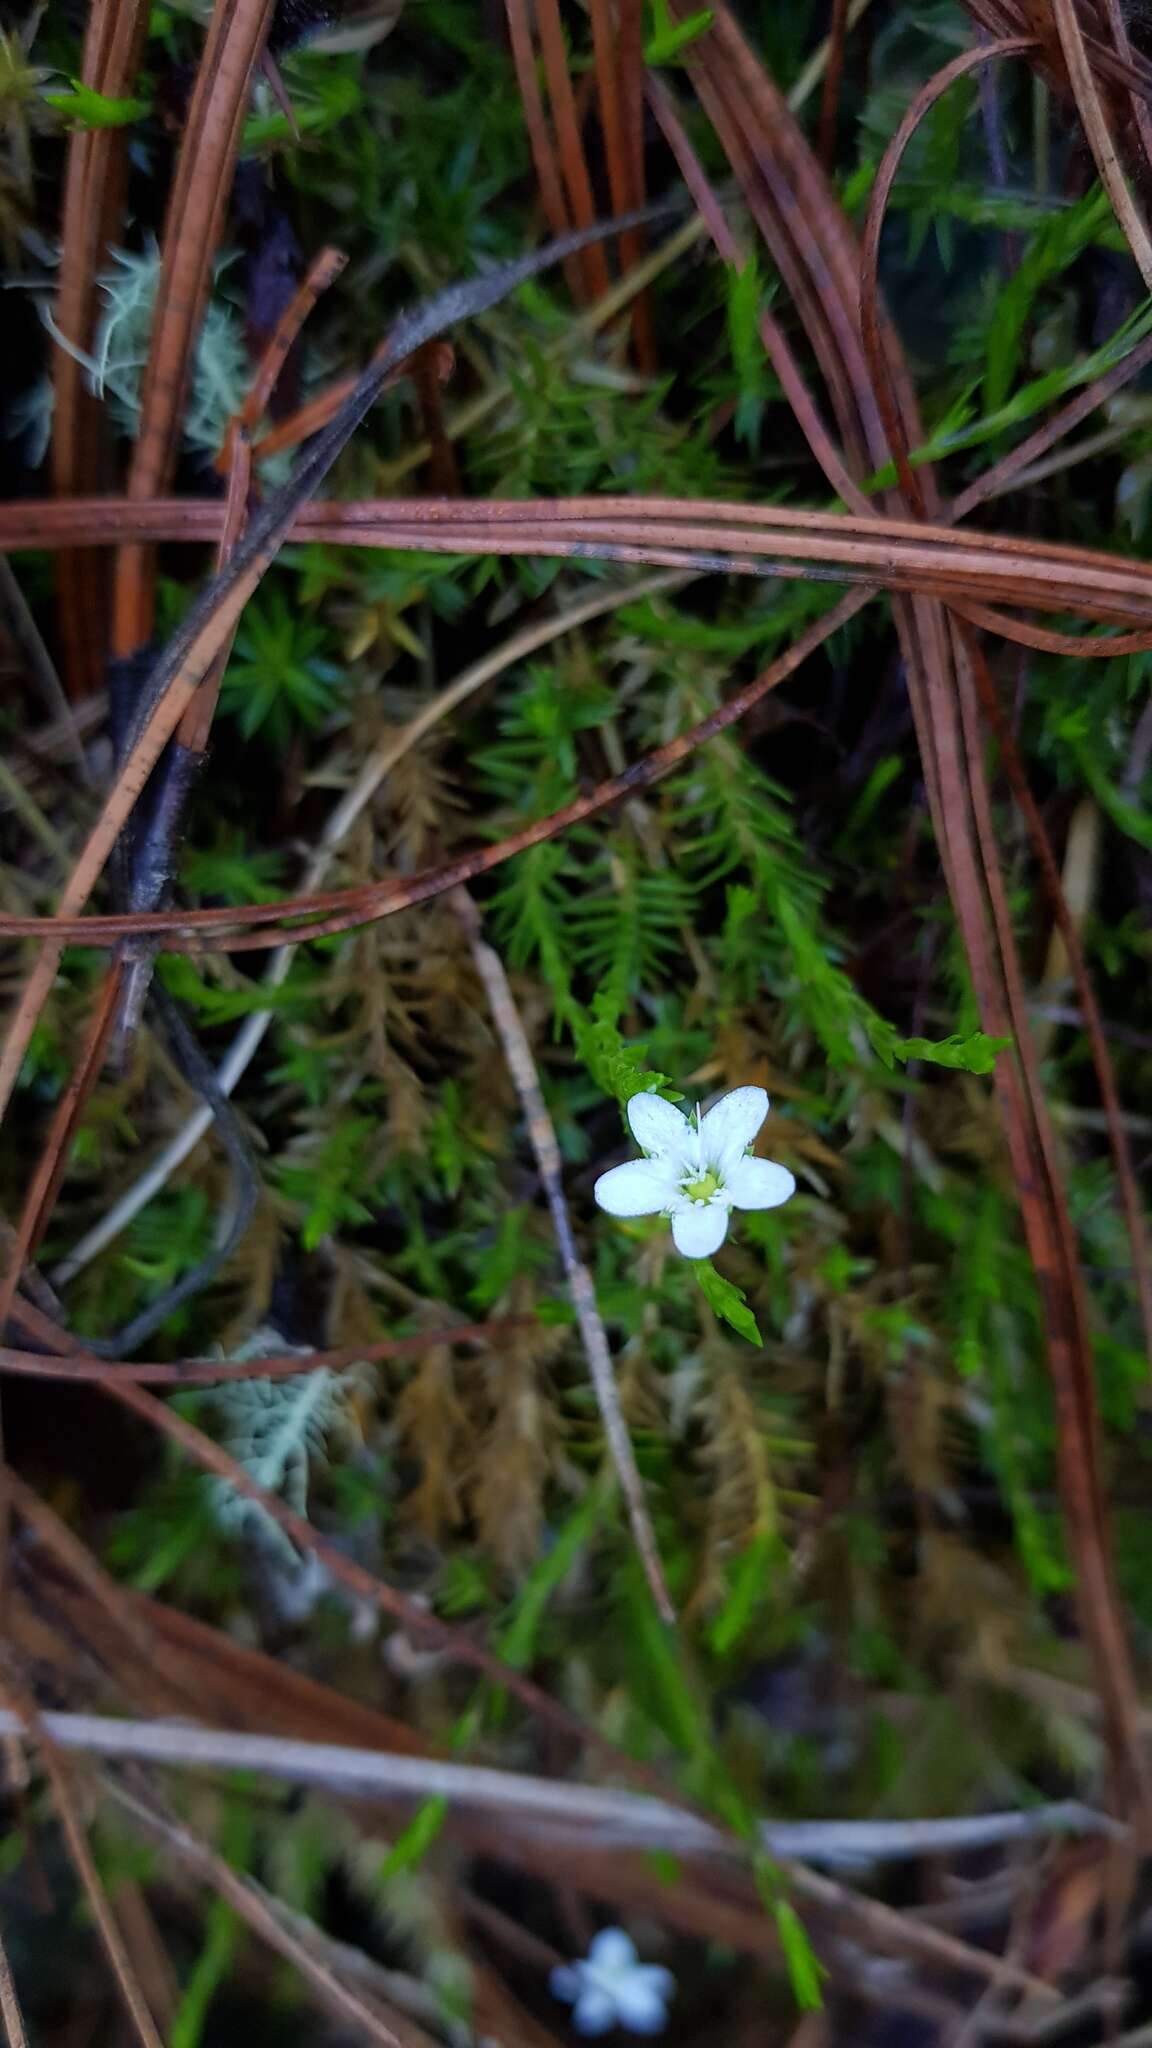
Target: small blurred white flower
(612, 1988)
(696, 1170)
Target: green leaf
(726, 1301)
(214, 1964)
(518, 1642)
(411, 1847)
(83, 107)
(669, 37)
(615, 1066)
(975, 1054)
(745, 292)
(804, 1968)
(747, 1588)
(666, 1686)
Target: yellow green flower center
(702, 1190)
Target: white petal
(595, 2012)
(730, 1126)
(565, 1983)
(612, 1949)
(699, 1228)
(642, 1188)
(658, 1127)
(759, 1184)
(641, 1998)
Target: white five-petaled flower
(613, 1988)
(697, 1169)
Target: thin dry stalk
(250, 1902)
(870, 315)
(542, 1138)
(83, 1861)
(574, 169)
(561, 1810)
(620, 89)
(912, 557)
(1100, 137)
(123, 992)
(540, 140)
(192, 230)
(15, 2032)
(833, 79)
(90, 218)
(209, 1372)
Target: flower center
(702, 1190)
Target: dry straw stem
(15, 2032)
(990, 620)
(1100, 137)
(94, 179)
(250, 1902)
(1015, 468)
(57, 1771)
(870, 317)
(193, 227)
(561, 1810)
(573, 168)
(210, 1372)
(792, 383)
(1130, 72)
(542, 1138)
(540, 140)
(815, 251)
(903, 555)
(617, 40)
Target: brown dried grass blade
(192, 231)
(540, 139)
(212, 1372)
(902, 555)
(15, 2032)
(620, 90)
(59, 1775)
(253, 1906)
(573, 166)
(165, 1662)
(870, 319)
(1101, 139)
(93, 200)
(833, 80)
(811, 242)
